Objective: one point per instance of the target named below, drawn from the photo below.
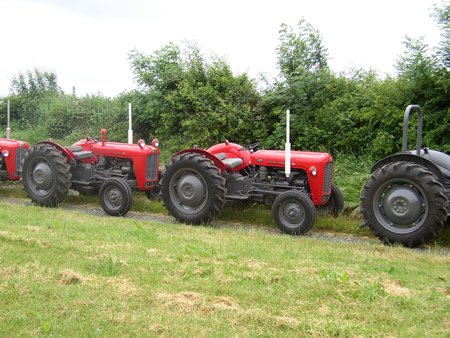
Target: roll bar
(419, 128)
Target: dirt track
(331, 237)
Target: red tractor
(91, 166)
(12, 153)
(197, 183)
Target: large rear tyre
(193, 189)
(46, 175)
(404, 203)
(294, 212)
(335, 204)
(116, 197)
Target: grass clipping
(197, 302)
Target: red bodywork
(137, 154)
(303, 160)
(319, 184)
(16, 150)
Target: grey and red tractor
(91, 166)
(197, 183)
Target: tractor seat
(232, 162)
(74, 148)
(83, 155)
(79, 153)
(221, 156)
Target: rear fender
(411, 158)
(67, 153)
(219, 164)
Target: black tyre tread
(304, 228)
(438, 202)
(63, 175)
(129, 195)
(335, 204)
(218, 201)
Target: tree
(27, 91)
(304, 72)
(200, 99)
(425, 75)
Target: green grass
(350, 173)
(65, 273)
(258, 217)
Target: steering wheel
(250, 147)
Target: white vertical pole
(8, 130)
(287, 146)
(130, 131)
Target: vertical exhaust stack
(287, 146)
(8, 130)
(130, 131)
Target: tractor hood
(299, 159)
(12, 144)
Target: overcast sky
(87, 42)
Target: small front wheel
(116, 197)
(294, 212)
(335, 204)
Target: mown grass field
(66, 273)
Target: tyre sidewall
(308, 208)
(127, 196)
(211, 176)
(60, 181)
(405, 173)
(335, 204)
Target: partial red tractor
(197, 183)
(12, 153)
(90, 166)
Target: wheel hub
(402, 205)
(293, 213)
(114, 198)
(42, 176)
(190, 190)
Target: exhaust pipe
(287, 146)
(130, 131)
(8, 130)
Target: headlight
(313, 171)
(141, 143)
(155, 143)
(5, 153)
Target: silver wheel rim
(188, 191)
(292, 214)
(113, 197)
(400, 206)
(41, 177)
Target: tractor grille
(151, 171)
(20, 154)
(327, 178)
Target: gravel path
(330, 237)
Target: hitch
(364, 225)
